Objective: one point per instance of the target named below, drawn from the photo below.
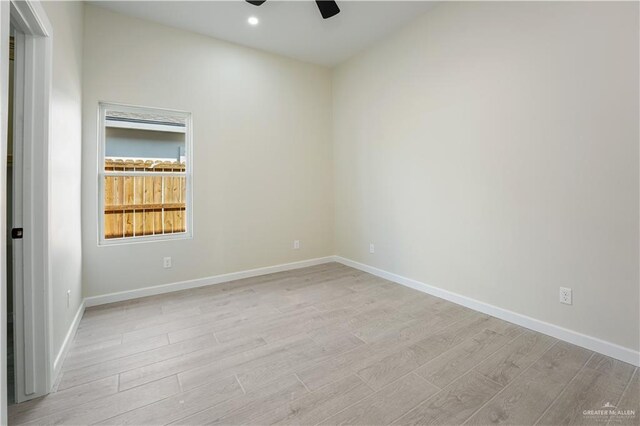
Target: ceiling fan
(328, 8)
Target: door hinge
(16, 233)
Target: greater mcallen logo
(608, 411)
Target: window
(144, 174)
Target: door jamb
(4, 103)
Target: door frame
(34, 361)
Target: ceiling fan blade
(256, 2)
(328, 8)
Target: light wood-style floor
(322, 345)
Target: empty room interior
(320, 212)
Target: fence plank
(176, 199)
(149, 215)
(108, 201)
(118, 198)
(168, 198)
(128, 200)
(138, 195)
(158, 225)
(179, 216)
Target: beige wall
(65, 157)
(262, 144)
(491, 149)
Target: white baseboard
(66, 344)
(201, 282)
(592, 343)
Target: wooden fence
(144, 205)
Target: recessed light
(253, 20)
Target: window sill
(144, 239)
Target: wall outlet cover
(566, 296)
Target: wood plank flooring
(322, 345)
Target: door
(23, 350)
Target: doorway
(24, 175)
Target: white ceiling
(290, 28)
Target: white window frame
(103, 107)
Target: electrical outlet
(372, 248)
(565, 296)
(166, 262)
(68, 298)
(296, 244)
